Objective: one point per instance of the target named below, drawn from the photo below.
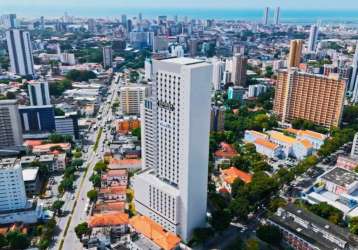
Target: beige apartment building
(316, 98)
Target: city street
(76, 207)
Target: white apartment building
(10, 125)
(132, 96)
(12, 188)
(218, 73)
(107, 57)
(354, 151)
(172, 190)
(20, 52)
(39, 93)
(68, 58)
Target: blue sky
(223, 4)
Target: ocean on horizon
(287, 16)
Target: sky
(222, 4)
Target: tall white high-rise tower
(172, 188)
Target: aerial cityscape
(179, 125)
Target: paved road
(83, 184)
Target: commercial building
(304, 230)
(32, 181)
(311, 97)
(218, 73)
(132, 96)
(68, 125)
(39, 93)
(68, 58)
(37, 119)
(141, 39)
(10, 124)
(239, 67)
(20, 52)
(312, 40)
(294, 57)
(107, 57)
(172, 190)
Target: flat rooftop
(340, 176)
(182, 60)
(30, 174)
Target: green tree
(276, 203)
(252, 245)
(82, 229)
(240, 207)
(96, 180)
(3, 241)
(202, 234)
(100, 167)
(17, 240)
(59, 87)
(80, 75)
(92, 195)
(236, 187)
(353, 225)
(57, 206)
(137, 132)
(328, 212)
(270, 234)
(220, 219)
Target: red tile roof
(231, 174)
(110, 219)
(226, 151)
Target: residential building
(250, 136)
(256, 90)
(32, 181)
(68, 58)
(20, 52)
(150, 230)
(117, 222)
(39, 93)
(37, 119)
(217, 118)
(12, 187)
(312, 40)
(174, 192)
(239, 67)
(353, 83)
(115, 178)
(228, 177)
(268, 148)
(132, 96)
(277, 16)
(354, 151)
(303, 230)
(218, 73)
(10, 125)
(315, 98)
(294, 57)
(107, 57)
(8, 21)
(236, 93)
(266, 15)
(115, 193)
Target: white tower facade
(20, 52)
(39, 93)
(172, 188)
(353, 84)
(312, 41)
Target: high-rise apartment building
(20, 52)
(10, 124)
(124, 20)
(12, 188)
(172, 189)
(107, 57)
(277, 16)
(8, 21)
(266, 15)
(39, 93)
(132, 96)
(218, 72)
(239, 67)
(312, 40)
(354, 151)
(315, 98)
(294, 58)
(353, 84)
(91, 25)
